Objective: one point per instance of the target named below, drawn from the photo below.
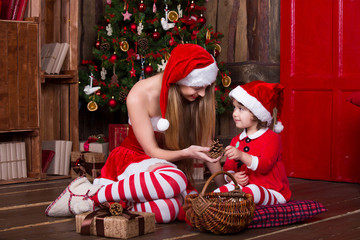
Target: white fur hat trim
(250, 102)
(200, 77)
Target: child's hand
(241, 178)
(232, 152)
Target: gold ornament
(167, 56)
(92, 106)
(208, 35)
(218, 47)
(226, 81)
(173, 16)
(124, 46)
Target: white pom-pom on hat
(163, 124)
(278, 127)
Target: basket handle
(213, 176)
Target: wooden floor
(22, 215)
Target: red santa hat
(261, 98)
(189, 65)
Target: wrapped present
(117, 134)
(96, 143)
(103, 223)
(87, 163)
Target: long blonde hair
(191, 123)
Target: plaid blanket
(284, 214)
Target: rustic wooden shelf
(38, 106)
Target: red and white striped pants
(262, 196)
(158, 191)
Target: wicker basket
(220, 213)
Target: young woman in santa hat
(172, 121)
(254, 157)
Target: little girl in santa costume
(254, 157)
(171, 123)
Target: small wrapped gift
(95, 147)
(117, 134)
(103, 223)
(87, 163)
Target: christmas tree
(135, 43)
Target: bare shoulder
(144, 90)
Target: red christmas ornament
(133, 27)
(98, 93)
(171, 41)
(142, 6)
(202, 20)
(112, 102)
(155, 35)
(113, 58)
(192, 6)
(148, 70)
(97, 44)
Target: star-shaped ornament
(126, 15)
(133, 72)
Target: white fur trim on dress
(142, 167)
(200, 77)
(250, 102)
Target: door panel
(320, 68)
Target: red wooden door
(320, 68)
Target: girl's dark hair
(260, 124)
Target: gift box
(102, 223)
(96, 147)
(117, 134)
(86, 163)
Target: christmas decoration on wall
(135, 42)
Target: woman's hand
(241, 178)
(201, 153)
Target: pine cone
(143, 44)
(122, 97)
(104, 46)
(116, 209)
(216, 149)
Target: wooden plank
(24, 86)
(33, 76)
(49, 22)
(223, 20)
(241, 47)
(64, 112)
(73, 31)
(263, 30)
(232, 31)
(57, 5)
(211, 13)
(74, 114)
(50, 112)
(252, 26)
(13, 75)
(274, 31)
(4, 98)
